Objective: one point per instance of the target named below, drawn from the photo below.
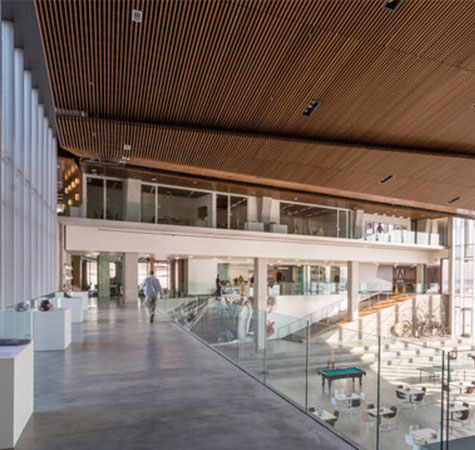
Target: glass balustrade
(374, 392)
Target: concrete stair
(397, 354)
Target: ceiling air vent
(136, 15)
(392, 4)
(386, 179)
(455, 199)
(312, 105)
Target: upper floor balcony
(133, 200)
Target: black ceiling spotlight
(312, 105)
(392, 4)
(386, 179)
(455, 199)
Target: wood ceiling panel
(252, 156)
(221, 86)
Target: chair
(355, 403)
(462, 419)
(367, 419)
(401, 398)
(332, 422)
(390, 416)
(419, 400)
(470, 389)
(370, 406)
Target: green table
(338, 374)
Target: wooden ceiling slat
(385, 80)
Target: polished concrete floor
(127, 384)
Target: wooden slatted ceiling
(419, 177)
(402, 79)
(391, 78)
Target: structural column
(132, 199)
(130, 276)
(103, 276)
(352, 291)
(260, 301)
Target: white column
(18, 222)
(7, 168)
(260, 300)
(34, 194)
(55, 228)
(130, 274)
(451, 280)
(352, 291)
(27, 155)
(132, 200)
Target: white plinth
(16, 392)
(75, 304)
(84, 297)
(52, 329)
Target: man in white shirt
(152, 288)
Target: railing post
(307, 364)
(265, 347)
(442, 403)
(378, 400)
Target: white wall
(202, 276)
(376, 276)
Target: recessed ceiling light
(473, 106)
(296, 198)
(136, 15)
(392, 4)
(455, 199)
(127, 147)
(386, 179)
(154, 179)
(94, 170)
(125, 158)
(312, 105)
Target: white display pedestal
(75, 303)
(84, 297)
(52, 329)
(16, 392)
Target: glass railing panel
(343, 382)
(286, 357)
(410, 394)
(459, 383)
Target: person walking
(219, 286)
(152, 288)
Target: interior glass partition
(95, 198)
(183, 207)
(314, 220)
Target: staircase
(368, 306)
